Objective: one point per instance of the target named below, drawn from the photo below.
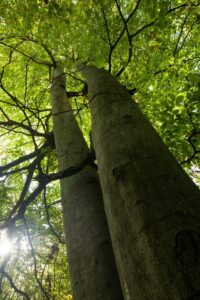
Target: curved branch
(12, 284)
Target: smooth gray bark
(152, 206)
(90, 256)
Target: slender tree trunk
(152, 206)
(91, 261)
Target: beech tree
(147, 195)
(152, 50)
(90, 255)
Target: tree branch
(49, 142)
(12, 284)
(43, 181)
(32, 131)
(130, 50)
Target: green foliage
(163, 65)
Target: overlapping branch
(130, 37)
(43, 180)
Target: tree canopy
(152, 47)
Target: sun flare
(5, 246)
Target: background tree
(153, 49)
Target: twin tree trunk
(152, 206)
(91, 261)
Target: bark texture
(91, 261)
(152, 206)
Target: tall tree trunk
(91, 261)
(152, 206)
